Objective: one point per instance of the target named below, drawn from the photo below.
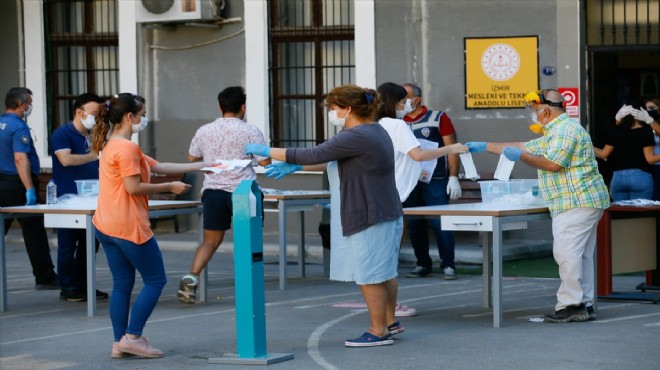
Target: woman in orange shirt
(122, 219)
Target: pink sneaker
(404, 311)
(139, 347)
(116, 353)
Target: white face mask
(534, 117)
(144, 121)
(27, 112)
(407, 108)
(409, 104)
(336, 121)
(89, 121)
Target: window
(311, 52)
(81, 53)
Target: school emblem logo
(500, 62)
(426, 132)
(25, 139)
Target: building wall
(10, 69)
(422, 41)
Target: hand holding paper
(476, 146)
(512, 153)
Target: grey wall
(422, 41)
(9, 63)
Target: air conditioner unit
(160, 11)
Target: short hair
(416, 90)
(231, 99)
(390, 94)
(364, 101)
(85, 98)
(17, 96)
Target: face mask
(653, 113)
(336, 121)
(89, 121)
(144, 121)
(536, 126)
(409, 104)
(27, 112)
(400, 113)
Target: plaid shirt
(578, 184)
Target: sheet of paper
(468, 166)
(227, 164)
(504, 168)
(427, 166)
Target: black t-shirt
(628, 148)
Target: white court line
(627, 318)
(654, 324)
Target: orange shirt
(118, 213)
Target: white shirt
(406, 169)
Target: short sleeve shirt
(406, 169)
(120, 214)
(15, 138)
(629, 147)
(226, 138)
(578, 184)
(68, 138)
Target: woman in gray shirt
(371, 213)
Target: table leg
(497, 272)
(487, 269)
(204, 278)
(3, 263)
(604, 253)
(301, 245)
(282, 239)
(90, 236)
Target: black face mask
(654, 114)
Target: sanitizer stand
(249, 281)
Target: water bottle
(51, 192)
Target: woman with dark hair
(649, 114)
(122, 219)
(629, 149)
(361, 175)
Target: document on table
(227, 164)
(468, 166)
(504, 168)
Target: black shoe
(49, 285)
(101, 295)
(73, 295)
(591, 312)
(577, 313)
(419, 272)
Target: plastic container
(51, 192)
(87, 187)
(519, 192)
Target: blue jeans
(631, 184)
(655, 172)
(431, 194)
(124, 257)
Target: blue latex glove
(476, 146)
(512, 154)
(31, 196)
(257, 149)
(281, 169)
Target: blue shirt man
(73, 159)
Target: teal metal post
(249, 280)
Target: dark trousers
(34, 234)
(72, 258)
(431, 194)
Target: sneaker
(49, 285)
(396, 328)
(404, 311)
(369, 340)
(138, 347)
(592, 313)
(116, 353)
(577, 313)
(73, 295)
(450, 274)
(419, 272)
(101, 295)
(188, 289)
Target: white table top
(476, 209)
(88, 206)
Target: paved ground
(452, 330)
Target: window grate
(81, 53)
(312, 51)
(623, 23)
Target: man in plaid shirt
(574, 191)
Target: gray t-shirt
(365, 157)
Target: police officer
(19, 170)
